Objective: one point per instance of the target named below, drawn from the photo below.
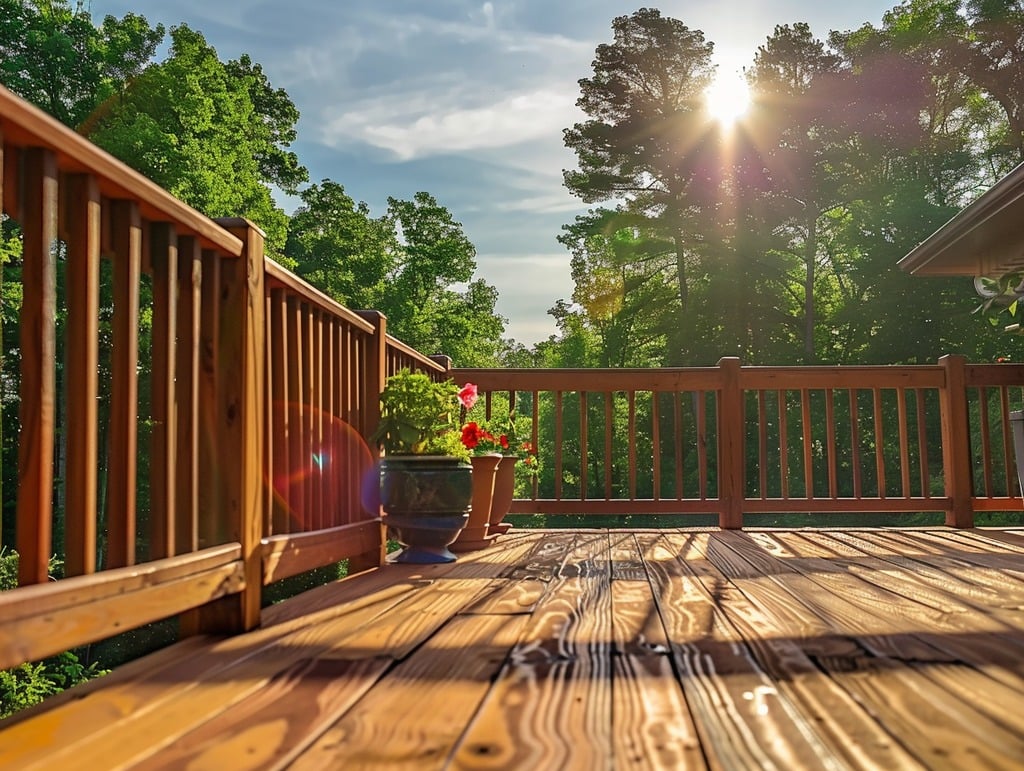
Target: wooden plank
(38, 636)
(126, 723)
(408, 721)
(37, 340)
(83, 299)
(653, 727)
(775, 627)
(561, 667)
(163, 253)
(211, 497)
(124, 390)
(743, 719)
(186, 463)
(290, 554)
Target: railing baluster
(655, 447)
(609, 430)
(281, 413)
(584, 448)
(762, 444)
(783, 444)
(211, 493)
(297, 418)
(830, 428)
(190, 277)
(678, 441)
(808, 441)
(558, 444)
(858, 488)
(879, 442)
(631, 440)
(901, 408)
(83, 288)
(317, 413)
(1004, 420)
(702, 444)
(986, 439)
(922, 444)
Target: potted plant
(516, 454)
(425, 476)
(486, 454)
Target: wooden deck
(590, 650)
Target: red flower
(468, 396)
(503, 441)
(471, 435)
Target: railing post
(375, 377)
(730, 445)
(956, 443)
(239, 415)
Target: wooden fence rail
(732, 440)
(191, 416)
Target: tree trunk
(810, 264)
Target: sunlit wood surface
(594, 649)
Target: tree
(54, 56)
(647, 140)
(338, 247)
(192, 125)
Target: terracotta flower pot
(425, 499)
(504, 493)
(474, 536)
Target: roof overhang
(985, 239)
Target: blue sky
(464, 99)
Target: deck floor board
(593, 649)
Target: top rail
(24, 125)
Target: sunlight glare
(728, 97)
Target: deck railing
(732, 440)
(192, 417)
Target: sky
(463, 99)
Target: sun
(727, 98)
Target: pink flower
(468, 395)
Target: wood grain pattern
(863, 649)
(83, 299)
(37, 341)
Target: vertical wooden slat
(631, 432)
(83, 291)
(558, 445)
(210, 493)
(316, 449)
(879, 442)
(584, 446)
(833, 459)
(330, 443)
(38, 351)
(126, 239)
(901, 409)
(762, 445)
(535, 436)
(956, 458)
(1008, 466)
(655, 446)
(163, 243)
(808, 442)
(730, 445)
(309, 475)
(609, 430)
(269, 363)
(678, 443)
(190, 287)
(297, 411)
(922, 444)
(986, 439)
(702, 444)
(858, 487)
(783, 443)
(281, 412)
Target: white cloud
(416, 127)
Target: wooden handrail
(26, 126)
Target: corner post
(956, 442)
(374, 379)
(730, 445)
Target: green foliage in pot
(420, 416)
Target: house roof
(985, 238)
